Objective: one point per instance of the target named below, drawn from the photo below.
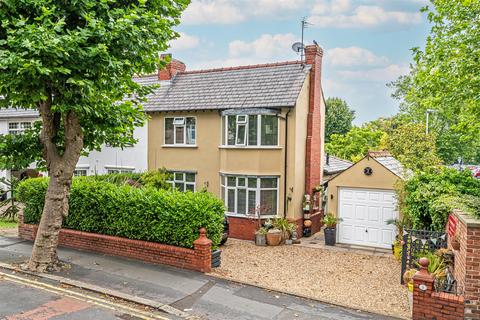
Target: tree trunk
(60, 169)
(44, 254)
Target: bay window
(180, 131)
(250, 130)
(250, 195)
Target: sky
(366, 43)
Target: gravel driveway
(351, 279)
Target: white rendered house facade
(108, 160)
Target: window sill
(252, 147)
(179, 146)
(233, 215)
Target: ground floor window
(182, 181)
(250, 195)
(80, 173)
(119, 170)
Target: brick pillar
(422, 292)
(315, 121)
(203, 252)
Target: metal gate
(418, 241)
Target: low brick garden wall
(467, 261)
(428, 304)
(198, 259)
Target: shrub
(163, 216)
(157, 179)
(424, 198)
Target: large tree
(356, 143)
(73, 61)
(338, 116)
(412, 147)
(445, 77)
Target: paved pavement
(23, 302)
(192, 292)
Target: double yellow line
(86, 298)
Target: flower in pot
(274, 237)
(285, 226)
(330, 230)
(261, 236)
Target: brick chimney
(315, 120)
(171, 69)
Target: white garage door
(364, 213)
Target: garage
(364, 213)
(363, 196)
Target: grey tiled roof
(335, 165)
(17, 113)
(394, 166)
(268, 86)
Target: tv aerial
(299, 47)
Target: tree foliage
(18, 151)
(445, 76)
(338, 117)
(355, 144)
(74, 61)
(410, 145)
(425, 197)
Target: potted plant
(274, 237)
(284, 226)
(261, 237)
(330, 230)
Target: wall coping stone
(467, 219)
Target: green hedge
(163, 216)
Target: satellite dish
(297, 47)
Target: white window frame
(174, 179)
(246, 123)
(179, 122)
(76, 172)
(20, 127)
(114, 170)
(257, 189)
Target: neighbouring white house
(108, 160)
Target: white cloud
(266, 46)
(353, 56)
(343, 15)
(385, 75)
(212, 12)
(265, 49)
(232, 12)
(184, 42)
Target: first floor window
(182, 181)
(18, 127)
(250, 130)
(250, 195)
(180, 131)
(80, 173)
(119, 170)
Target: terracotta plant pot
(274, 237)
(455, 244)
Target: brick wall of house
(467, 262)
(313, 164)
(428, 304)
(198, 259)
(242, 228)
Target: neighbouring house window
(182, 181)
(119, 170)
(80, 173)
(18, 127)
(250, 130)
(244, 195)
(180, 131)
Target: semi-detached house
(252, 135)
